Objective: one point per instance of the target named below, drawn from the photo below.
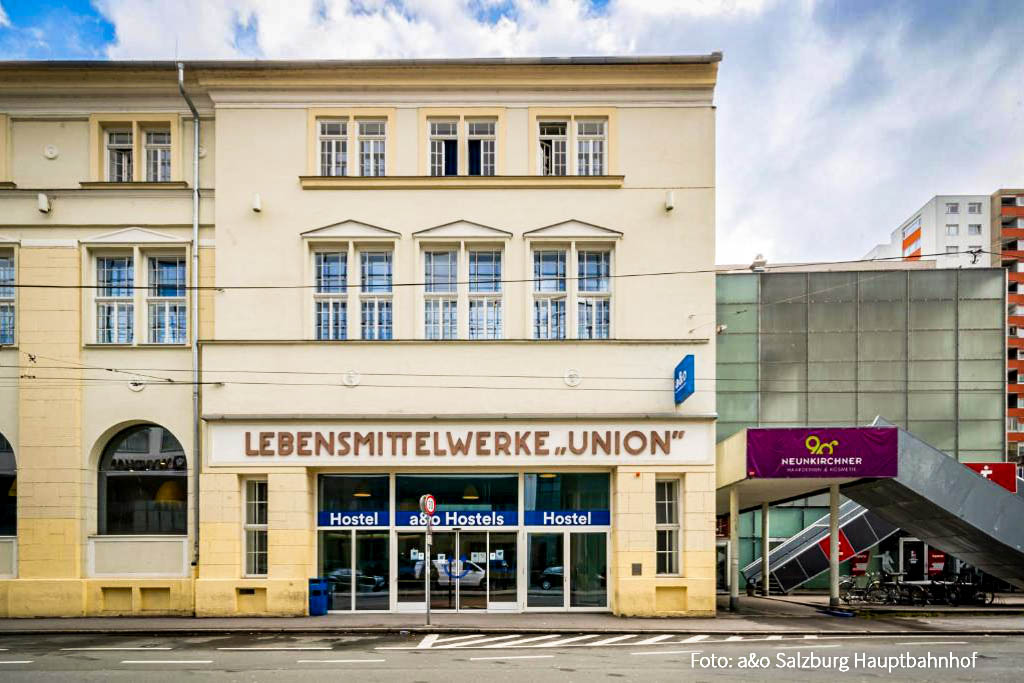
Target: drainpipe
(196, 448)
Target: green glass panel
(982, 283)
(783, 287)
(881, 346)
(935, 284)
(887, 286)
(939, 433)
(836, 346)
(736, 348)
(981, 405)
(837, 317)
(783, 318)
(783, 348)
(932, 315)
(833, 287)
(931, 406)
(982, 344)
(932, 345)
(889, 405)
(982, 434)
(981, 314)
(831, 408)
(738, 317)
(740, 288)
(883, 316)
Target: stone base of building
(95, 597)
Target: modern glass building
(923, 348)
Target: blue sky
(836, 118)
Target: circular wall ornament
(202, 152)
(351, 379)
(572, 377)
(50, 151)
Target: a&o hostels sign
(476, 443)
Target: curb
(418, 630)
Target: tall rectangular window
(6, 299)
(158, 156)
(330, 306)
(549, 266)
(165, 299)
(119, 156)
(481, 148)
(593, 307)
(590, 147)
(333, 137)
(667, 525)
(444, 148)
(115, 307)
(553, 143)
(440, 314)
(952, 229)
(372, 139)
(973, 207)
(256, 527)
(485, 302)
(974, 229)
(375, 296)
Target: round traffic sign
(428, 504)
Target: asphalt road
(525, 657)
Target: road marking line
(338, 661)
(667, 652)
(274, 649)
(110, 649)
(480, 659)
(473, 643)
(520, 643)
(433, 639)
(654, 639)
(691, 639)
(733, 639)
(608, 641)
(167, 661)
(802, 647)
(17, 661)
(810, 637)
(560, 643)
(936, 642)
(774, 638)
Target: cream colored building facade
(414, 277)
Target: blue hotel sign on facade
(683, 379)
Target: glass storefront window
(361, 570)
(353, 493)
(550, 491)
(462, 500)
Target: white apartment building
(943, 230)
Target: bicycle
(900, 593)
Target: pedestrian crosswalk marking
(484, 641)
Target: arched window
(143, 483)
(8, 489)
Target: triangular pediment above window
(134, 236)
(574, 229)
(463, 230)
(351, 230)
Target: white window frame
(373, 163)
(974, 208)
(157, 155)
(559, 145)
(155, 302)
(126, 149)
(952, 208)
(441, 130)
(116, 302)
(591, 148)
(376, 300)
(952, 249)
(952, 229)
(335, 298)
(490, 302)
(488, 145)
(974, 229)
(257, 528)
(440, 299)
(332, 148)
(8, 305)
(591, 299)
(671, 526)
(547, 299)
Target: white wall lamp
(257, 203)
(670, 200)
(43, 203)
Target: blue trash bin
(317, 597)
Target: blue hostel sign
(683, 379)
(567, 517)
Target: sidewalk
(1006, 604)
(757, 616)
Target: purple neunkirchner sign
(825, 452)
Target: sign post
(427, 506)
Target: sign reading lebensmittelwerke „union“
(476, 443)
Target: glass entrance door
(567, 569)
(469, 570)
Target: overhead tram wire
(702, 271)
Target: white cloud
(834, 121)
(4, 20)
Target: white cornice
(350, 229)
(573, 229)
(133, 236)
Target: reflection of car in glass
(365, 583)
(471, 573)
(549, 578)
